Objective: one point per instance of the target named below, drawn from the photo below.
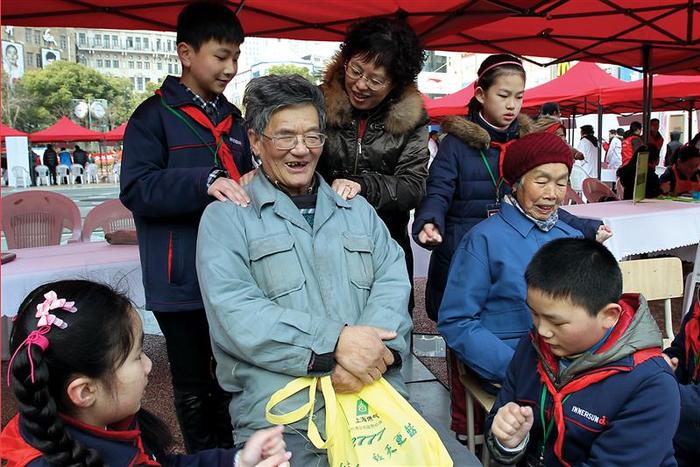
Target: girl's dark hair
(490, 70)
(386, 42)
(97, 340)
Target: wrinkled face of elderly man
(290, 146)
(541, 190)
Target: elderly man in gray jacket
(301, 282)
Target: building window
(129, 42)
(145, 43)
(157, 44)
(98, 41)
(81, 38)
(139, 83)
(37, 37)
(159, 66)
(170, 68)
(108, 63)
(169, 46)
(62, 41)
(147, 65)
(29, 58)
(115, 42)
(99, 63)
(115, 63)
(138, 43)
(139, 65)
(106, 41)
(131, 64)
(28, 33)
(37, 59)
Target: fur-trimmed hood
(475, 135)
(400, 115)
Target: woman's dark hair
(490, 70)
(579, 270)
(97, 340)
(386, 42)
(205, 20)
(634, 127)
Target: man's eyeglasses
(287, 142)
(355, 73)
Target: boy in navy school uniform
(588, 386)
(683, 357)
(183, 148)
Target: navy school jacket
(164, 173)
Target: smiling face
(568, 328)
(360, 95)
(542, 189)
(208, 70)
(292, 168)
(503, 99)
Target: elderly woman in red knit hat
(483, 317)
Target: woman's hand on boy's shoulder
(226, 189)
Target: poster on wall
(13, 59)
(48, 56)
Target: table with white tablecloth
(116, 265)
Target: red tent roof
(670, 93)
(451, 104)
(596, 31)
(576, 91)
(115, 134)
(311, 20)
(65, 130)
(9, 131)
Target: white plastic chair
(92, 173)
(110, 216)
(42, 175)
(77, 170)
(116, 169)
(21, 176)
(62, 174)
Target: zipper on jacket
(170, 257)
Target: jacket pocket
(358, 253)
(275, 265)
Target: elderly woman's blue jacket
(276, 289)
(484, 312)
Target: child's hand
(672, 362)
(512, 424)
(603, 233)
(266, 448)
(430, 235)
(224, 188)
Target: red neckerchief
(502, 148)
(692, 339)
(224, 127)
(584, 380)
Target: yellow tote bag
(375, 426)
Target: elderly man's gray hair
(267, 94)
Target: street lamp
(93, 109)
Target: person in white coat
(588, 145)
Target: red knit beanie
(533, 150)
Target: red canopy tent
(451, 104)
(115, 134)
(65, 130)
(305, 19)
(9, 131)
(670, 93)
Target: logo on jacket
(235, 141)
(602, 421)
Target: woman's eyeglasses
(355, 73)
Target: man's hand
(246, 178)
(603, 233)
(672, 362)
(511, 424)
(266, 448)
(224, 188)
(430, 235)
(344, 382)
(347, 189)
(361, 351)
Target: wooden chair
(37, 218)
(656, 279)
(594, 190)
(475, 393)
(110, 216)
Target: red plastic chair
(37, 218)
(571, 197)
(594, 190)
(110, 216)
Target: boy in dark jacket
(588, 386)
(183, 148)
(683, 358)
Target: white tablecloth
(116, 265)
(646, 227)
